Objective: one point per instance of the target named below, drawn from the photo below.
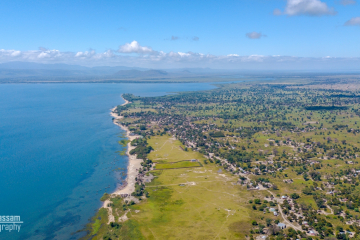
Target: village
(290, 154)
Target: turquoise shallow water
(58, 152)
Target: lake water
(58, 152)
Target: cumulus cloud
(353, 22)
(86, 54)
(48, 54)
(54, 56)
(172, 59)
(134, 47)
(347, 2)
(15, 53)
(43, 55)
(255, 35)
(306, 7)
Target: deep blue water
(58, 152)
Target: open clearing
(192, 203)
(182, 164)
(168, 149)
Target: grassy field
(186, 203)
(197, 203)
(167, 149)
(182, 164)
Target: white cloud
(108, 53)
(347, 2)
(50, 54)
(353, 22)
(183, 54)
(43, 55)
(86, 54)
(255, 58)
(172, 59)
(134, 47)
(16, 53)
(306, 7)
(255, 35)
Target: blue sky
(95, 31)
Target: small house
(281, 225)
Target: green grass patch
(182, 164)
(105, 197)
(98, 225)
(308, 200)
(192, 203)
(123, 142)
(168, 149)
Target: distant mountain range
(29, 71)
(141, 74)
(60, 66)
(11, 72)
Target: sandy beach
(133, 166)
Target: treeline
(141, 149)
(325, 108)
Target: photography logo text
(10, 223)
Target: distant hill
(141, 74)
(60, 72)
(61, 66)
(30, 71)
(40, 66)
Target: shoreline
(133, 167)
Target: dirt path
(331, 211)
(288, 223)
(111, 217)
(280, 210)
(261, 188)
